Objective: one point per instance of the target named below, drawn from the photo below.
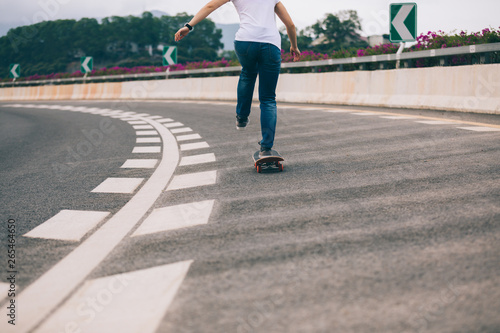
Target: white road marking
(194, 146)
(126, 303)
(365, 114)
(193, 180)
(42, 297)
(118, 185)
(170, 125)
(142, 127)
(480, 129)
(148, 140)
(140, 164)
(436, 122)
(398, 117)
(129, 113)
(155, 117)
(188, 137)
(142, 115)
(197, 159)
(137, 122)
(312, 109)
(145, 133)
(181, 130)
(146, 150)
(68, 108)
(165, 120)
(68, 225)
(176, 217)
(338, 111)
(130, 118)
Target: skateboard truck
(271, 162)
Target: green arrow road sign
(86, 64)
(403, 22)
(14, 71)
(169, 55)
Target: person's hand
(181, 33)
(295, 53)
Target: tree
(338, 31)
(53, 46)
(205, 36)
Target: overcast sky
(433, 15)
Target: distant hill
(158, 13)
(228, 33)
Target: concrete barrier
(465, 88)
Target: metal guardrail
(382, 59)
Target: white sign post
(403, 25)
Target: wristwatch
(188, 26)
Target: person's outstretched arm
(282, 13)
(200, 16)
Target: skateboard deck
(272, 162)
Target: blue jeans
(263, 59)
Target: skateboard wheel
(280, 166)
(259, 169)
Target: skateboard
(272, 162)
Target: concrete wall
(466, 88)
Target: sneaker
(265, 152)
(241, 122)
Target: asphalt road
(379, 223)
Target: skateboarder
(258, 47)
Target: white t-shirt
(257, 21)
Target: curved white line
(41, 297)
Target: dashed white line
(176, 217)
(126, 303)
(170, 125)
(42, 297)
(118, 185)
(181, 130)
(148, 140)
(165, 120)
(398, 117)
(436, 122)
(194, 146)
(137, 122)
(365, 114)
(146, 133)
(188, 137)
(140, 164)
(68, 225)
(197, 159)
(146, 150)
(193, 180)
(142, 127)
(480, 129)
